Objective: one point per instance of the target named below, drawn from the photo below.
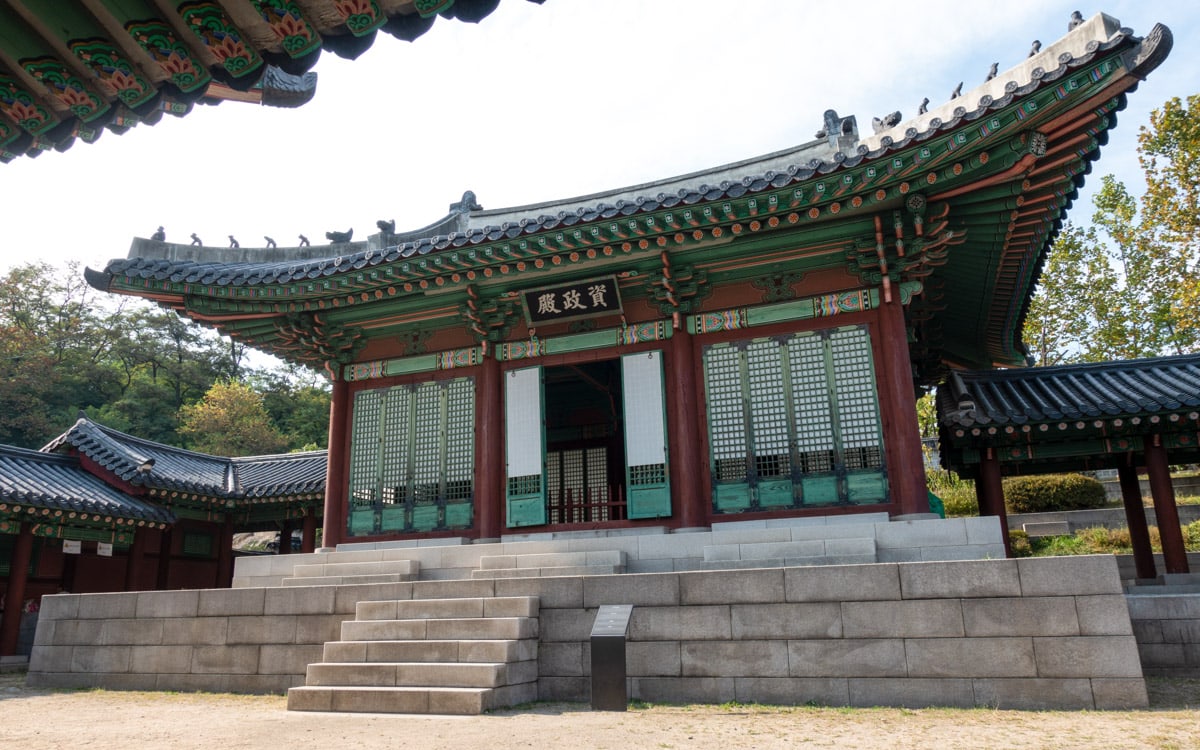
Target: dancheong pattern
(843, 302)
(19, 106)
(172, 56)
(66, 87)
(221, 37)
(114, 70)
(727, 320)
(295, 34)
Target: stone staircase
(536, 565)
(428, 656)
(338, 573)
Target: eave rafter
(996, 182)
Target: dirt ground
(37, 719)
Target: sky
(542, 102)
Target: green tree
(1127, 287)
(297, 399)
(230, 421)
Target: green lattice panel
(361, 521)
(819, 490)
(364, 460)
(811, 403)
(857, 402)
(395, 479)
(460, 441)
(866, 487)
(768, 409)
(726, 415)
(459, 515)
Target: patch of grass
(1097, 541)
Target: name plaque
(581, 299)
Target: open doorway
(585, 470)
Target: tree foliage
(230, 421)
(1127, 286)
(64, 348)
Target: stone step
(575, 570)
(811, 548)
(378, 567)
(795, 562)
(471, 628)
(553, 560)
(421, 674)
(431, 651)
(348, 580)
(409, 700)
(425, 609)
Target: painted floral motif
(172, 56)
(20, 107)
(296, 36)
(222, 38)
(68, 89)
(361, 16)
(116, 73)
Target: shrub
(957, 494)
(1052, 492)
(1019, 542)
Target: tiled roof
(58, 483)
(72, 68)
(1144, 388)
(188, 471)
(725, 182)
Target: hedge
(1052, 492)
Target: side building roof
(1084, 415)
(59, 496)
(168, 468)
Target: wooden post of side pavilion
(135, 559)
(1135, 517)
(308, 542)
(1174, 553)
(989, 491)
(14, 596)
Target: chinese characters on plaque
(581, 299)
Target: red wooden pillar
(1174, 552)
(166, 542)
(335, 472)
(902, 434)
(308, 542)
(1135, 517)
(135, 560)
(489, 450)
(14, 595)
(989, 491)
(225, 555)
(683, 432)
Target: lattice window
(597, 481)
(811, 403)
(526, 485)
(365, 448)
(726, 412)
(648, 474)
(396, 468)
(411, 453)
(768, 408)
(802, 406)
(857, 406)
(427, 447)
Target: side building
(744, 342)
